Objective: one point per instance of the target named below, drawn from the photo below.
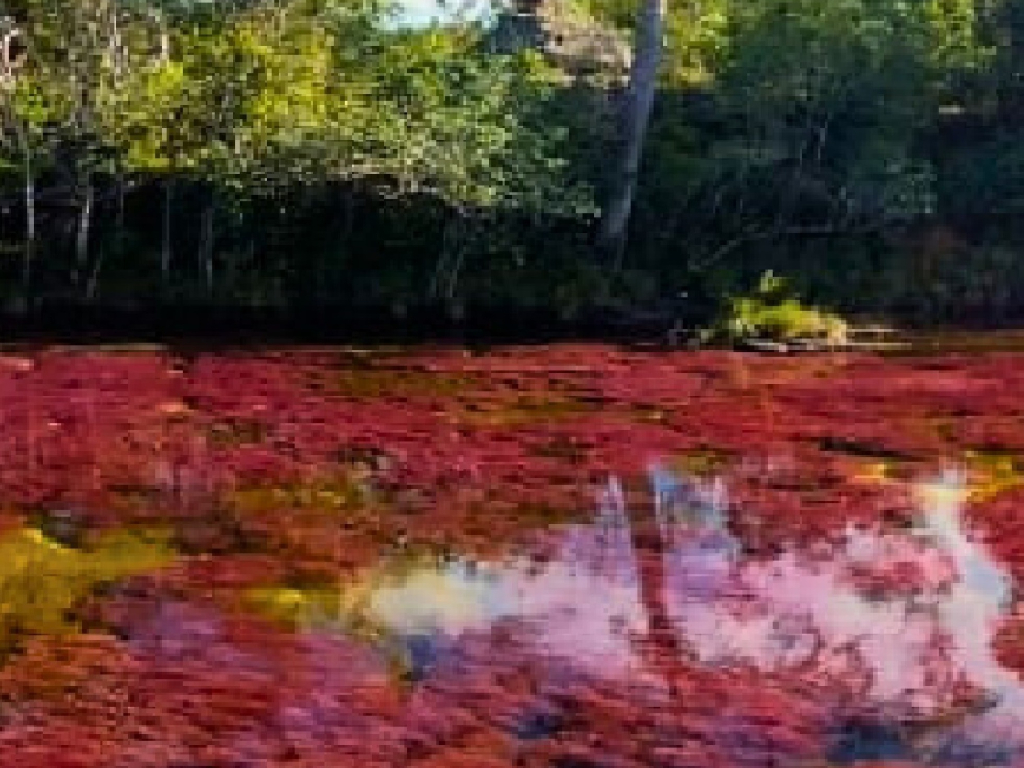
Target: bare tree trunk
(94, 276)
(348, 218)
(635, 119)
(206, 243)
(82, 237)
(228, 281)
(434, 290)
(30, 230)
(454, 245)
(119, 221)
(166, 235)
(462, 246)
(93, 285)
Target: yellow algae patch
(523, 411)
(986, 475)
(295, 606)
(41, 581)
(990, 474)
(706, 463)
(876, 472)
(370, 383)
(347, 490)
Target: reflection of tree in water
(920, 658)
(890, 632)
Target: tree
(636, 116)
(35, 99)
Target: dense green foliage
(296, 151)
(262, 126)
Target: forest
(547, 384)
(320, 153)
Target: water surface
(561, 556)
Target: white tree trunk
(636, 116)
(82, 237)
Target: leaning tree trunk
(635, 119)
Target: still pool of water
(906, 654)
(560, 556)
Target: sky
(416, 13)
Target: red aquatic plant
(305, 467)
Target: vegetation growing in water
(773, 312)
(296, 589)
(43, 581)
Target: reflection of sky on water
(908, 648)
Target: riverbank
(227, 326)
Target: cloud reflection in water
(905, 617)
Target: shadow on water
(904, 663)
(859, 740)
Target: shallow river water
(566, 556)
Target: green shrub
(773, 312)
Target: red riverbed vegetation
(296, 468)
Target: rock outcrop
(568, 37)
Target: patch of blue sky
(425, 13)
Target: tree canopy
(315, 145)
